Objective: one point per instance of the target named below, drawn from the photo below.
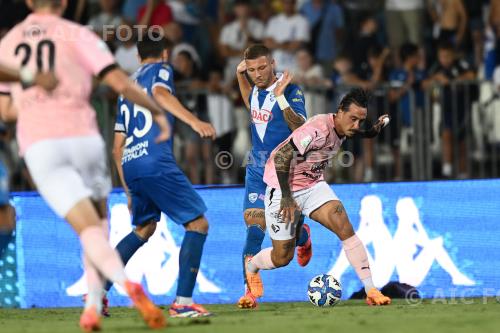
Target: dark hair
(446, 45)
(356, 96)
(407, 50)
(151, 45)
(256, 51)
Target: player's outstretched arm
(382, 122)
(124, 86)
(174, 106)
(46, 80)
(282, 162)
(118, 145)
(293, 119)
(245, 87)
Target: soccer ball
(324, 290)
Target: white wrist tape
(26, 75)
(282, 102)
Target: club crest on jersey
(261, 116)
(252, 197)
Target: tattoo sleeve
(282, 162)
(293, 119)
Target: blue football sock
(189, 262)
(304, 236)
(126, 248)
(5, 239)
(255, 237)
(253, 244)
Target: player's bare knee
(198, 225)
(146, 230)
(255, 216)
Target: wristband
(26, 75)
(282, 102)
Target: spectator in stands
(126, 54)
(130, 9)
(366, 38)
(326, 20)
(174, 34)
(474, 10)
(189, 81)
(106, 21)
(311, 77)
(237, 35)
(450, 20)
(155, 13)
(221, 114)
(285, 34)
(447, 72)
(404, 23)
(405, 80)
(265, 11)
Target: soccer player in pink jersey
(59, 138)
(295, 184)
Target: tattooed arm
(292, 118)
(282, 162)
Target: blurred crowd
(398, 48)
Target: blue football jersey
(142, 156)
(268, 126)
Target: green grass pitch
(482, 315)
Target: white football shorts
(68, 170)
(308, 200)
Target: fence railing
(448, 131)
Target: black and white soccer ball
(324, 290)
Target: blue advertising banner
(441, 237)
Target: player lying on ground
(295, 183)
(277, 108)
(59, 139)
(150, 175)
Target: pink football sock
(261, 260)
(102, 255)
(356, 254)
(95, 285)
(105, 226)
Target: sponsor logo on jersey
(261, 116)
(252, 197)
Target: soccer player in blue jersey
(150, 175)
(277, 108)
